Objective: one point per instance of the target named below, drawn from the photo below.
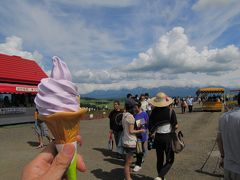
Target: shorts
(41, 128)
(129, 151)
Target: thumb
(61, 162)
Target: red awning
(17, 88)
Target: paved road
(18, 144)
(26, 117)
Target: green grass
(98, 103)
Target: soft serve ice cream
(57, 93)
(58, 104)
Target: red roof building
(19, 75)
(19, 78)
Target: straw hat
(161, 100)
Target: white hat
(161, 100)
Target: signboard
(26, 89)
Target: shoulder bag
(177, 142)
(177, 139)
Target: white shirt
(190, 101)
(144, 105)
(229, 127)
(149, 107)
(167, 128)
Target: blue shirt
(141, 120)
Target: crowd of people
(184, 103)
(141, 119)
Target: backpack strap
(170, 115)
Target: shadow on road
(197, 110)
(33, 143)
(111, 156)
(210, 173)
(115, 161)
(106, 152)
(116, 174)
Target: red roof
(15, 69)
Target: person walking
(190, 103)
(115, 123)
(141, 122)
(41, 130)
(129, 137)
(149, 107)
(144, 103)
(163, 122)
(229, 143)
(183, 105)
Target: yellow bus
(231, 99)
(212, 98)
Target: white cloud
(229, 80)
(104, 3)
(172, 61)
(206, 4)
(13, 46)
(56, 32)
(173, 54)
(211, 19)
(100, 46)
(113, 76)
(97, 76)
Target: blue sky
(112, 44)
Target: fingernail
(68, 149)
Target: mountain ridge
(171, 91)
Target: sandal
(40, 146)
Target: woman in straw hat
(162, 122)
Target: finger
(48, 153)
(61, 162)
(44, 159)
(79, 140)
(80, 164)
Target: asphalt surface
(18, 147)
(9, 119)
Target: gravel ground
(18, 147)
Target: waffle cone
(64, 131)
(65, 126)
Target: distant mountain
(171, 91)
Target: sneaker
(137, 168)
(158, 178)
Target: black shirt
(160, 116)
(115, 120)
